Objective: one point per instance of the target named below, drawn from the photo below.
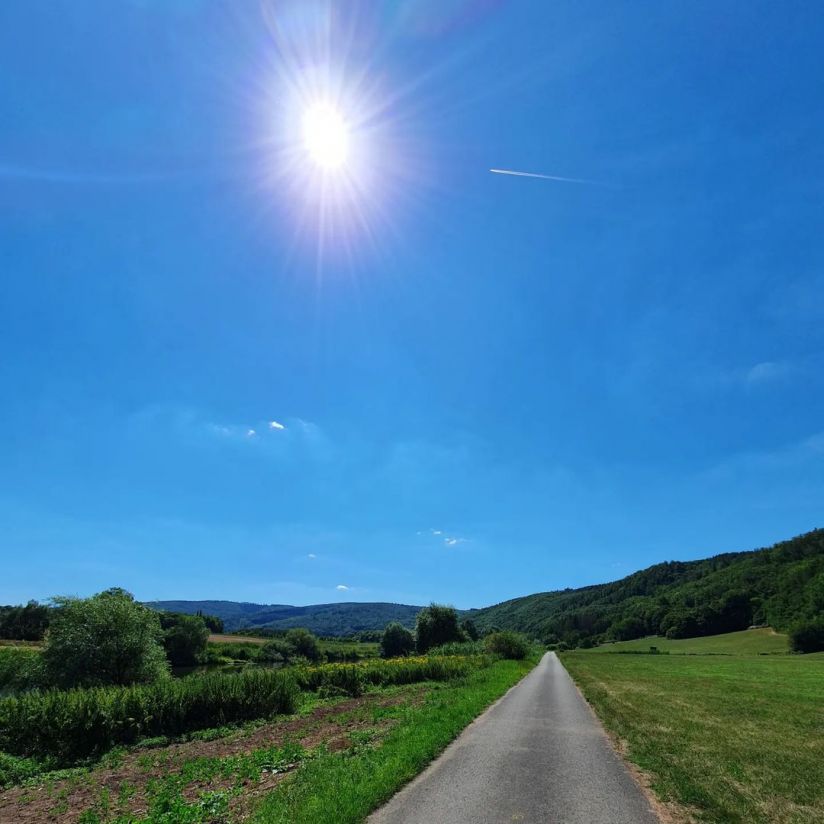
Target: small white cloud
(311, 555)
(342, 587)
(276, 425)
(436, 531)
(454, 541)
(767, 371)
(250, 433)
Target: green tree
(470, 630)
(276, 651)
(107, 639)
(303, 643)
(184, 639)
(808, 636)
(436, 624)
(396, 640)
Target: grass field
(747, 642)
(732, 739)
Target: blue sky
(483, 386)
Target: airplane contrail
(543, 177)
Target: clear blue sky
(484, 385)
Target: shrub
(106, 639)
(303, 644)
(507, 645)
(460, 648)
(74, 724)
(436, 625)
(808, 636)
(20, 668)
(470, 630)
(184, 639)
(396, 640)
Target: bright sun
(325, 136)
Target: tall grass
(352, 678)
(71, 725)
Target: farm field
(729, 739)
(762, 641)
(336, 753)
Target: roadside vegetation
(95, 728)
(730, 738)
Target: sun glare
(326, 136)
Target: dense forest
(327, 620)
(778, 586)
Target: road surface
(538, 755)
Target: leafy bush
(396, 641)
(20, 668)
(808, 636)
(303, 644)
(73, 724)
(107, 639)
(184, 639)
(436, 625)
(508, 645)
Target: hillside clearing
(761, 641)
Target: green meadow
(762, 641)
(736, 738)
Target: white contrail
(543, 177)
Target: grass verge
(732, 739)
(346, 787)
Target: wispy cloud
(276, 425)
(311, 556)
(454, 541)
(342, 588)
(767, 372)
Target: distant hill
(680, 599)
(322, 619)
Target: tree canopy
(106, 639)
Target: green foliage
(351, 679)
(24, 623)
(184, 638)
(106, 639)
(808, 636)
(15, 770)
(470, 630)
(276, 651)
(21, 668)
(510, 645)
(303, 644)
(779, 586)
(70, 725)
(436, 625)
(396, 641)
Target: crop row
(71, 725)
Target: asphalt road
(538, 755)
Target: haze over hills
(322, 619)
(776, 586)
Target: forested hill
(776, 586)
(322, 619)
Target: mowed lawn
(738, 739)
(763, 641)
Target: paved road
(538, 755)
